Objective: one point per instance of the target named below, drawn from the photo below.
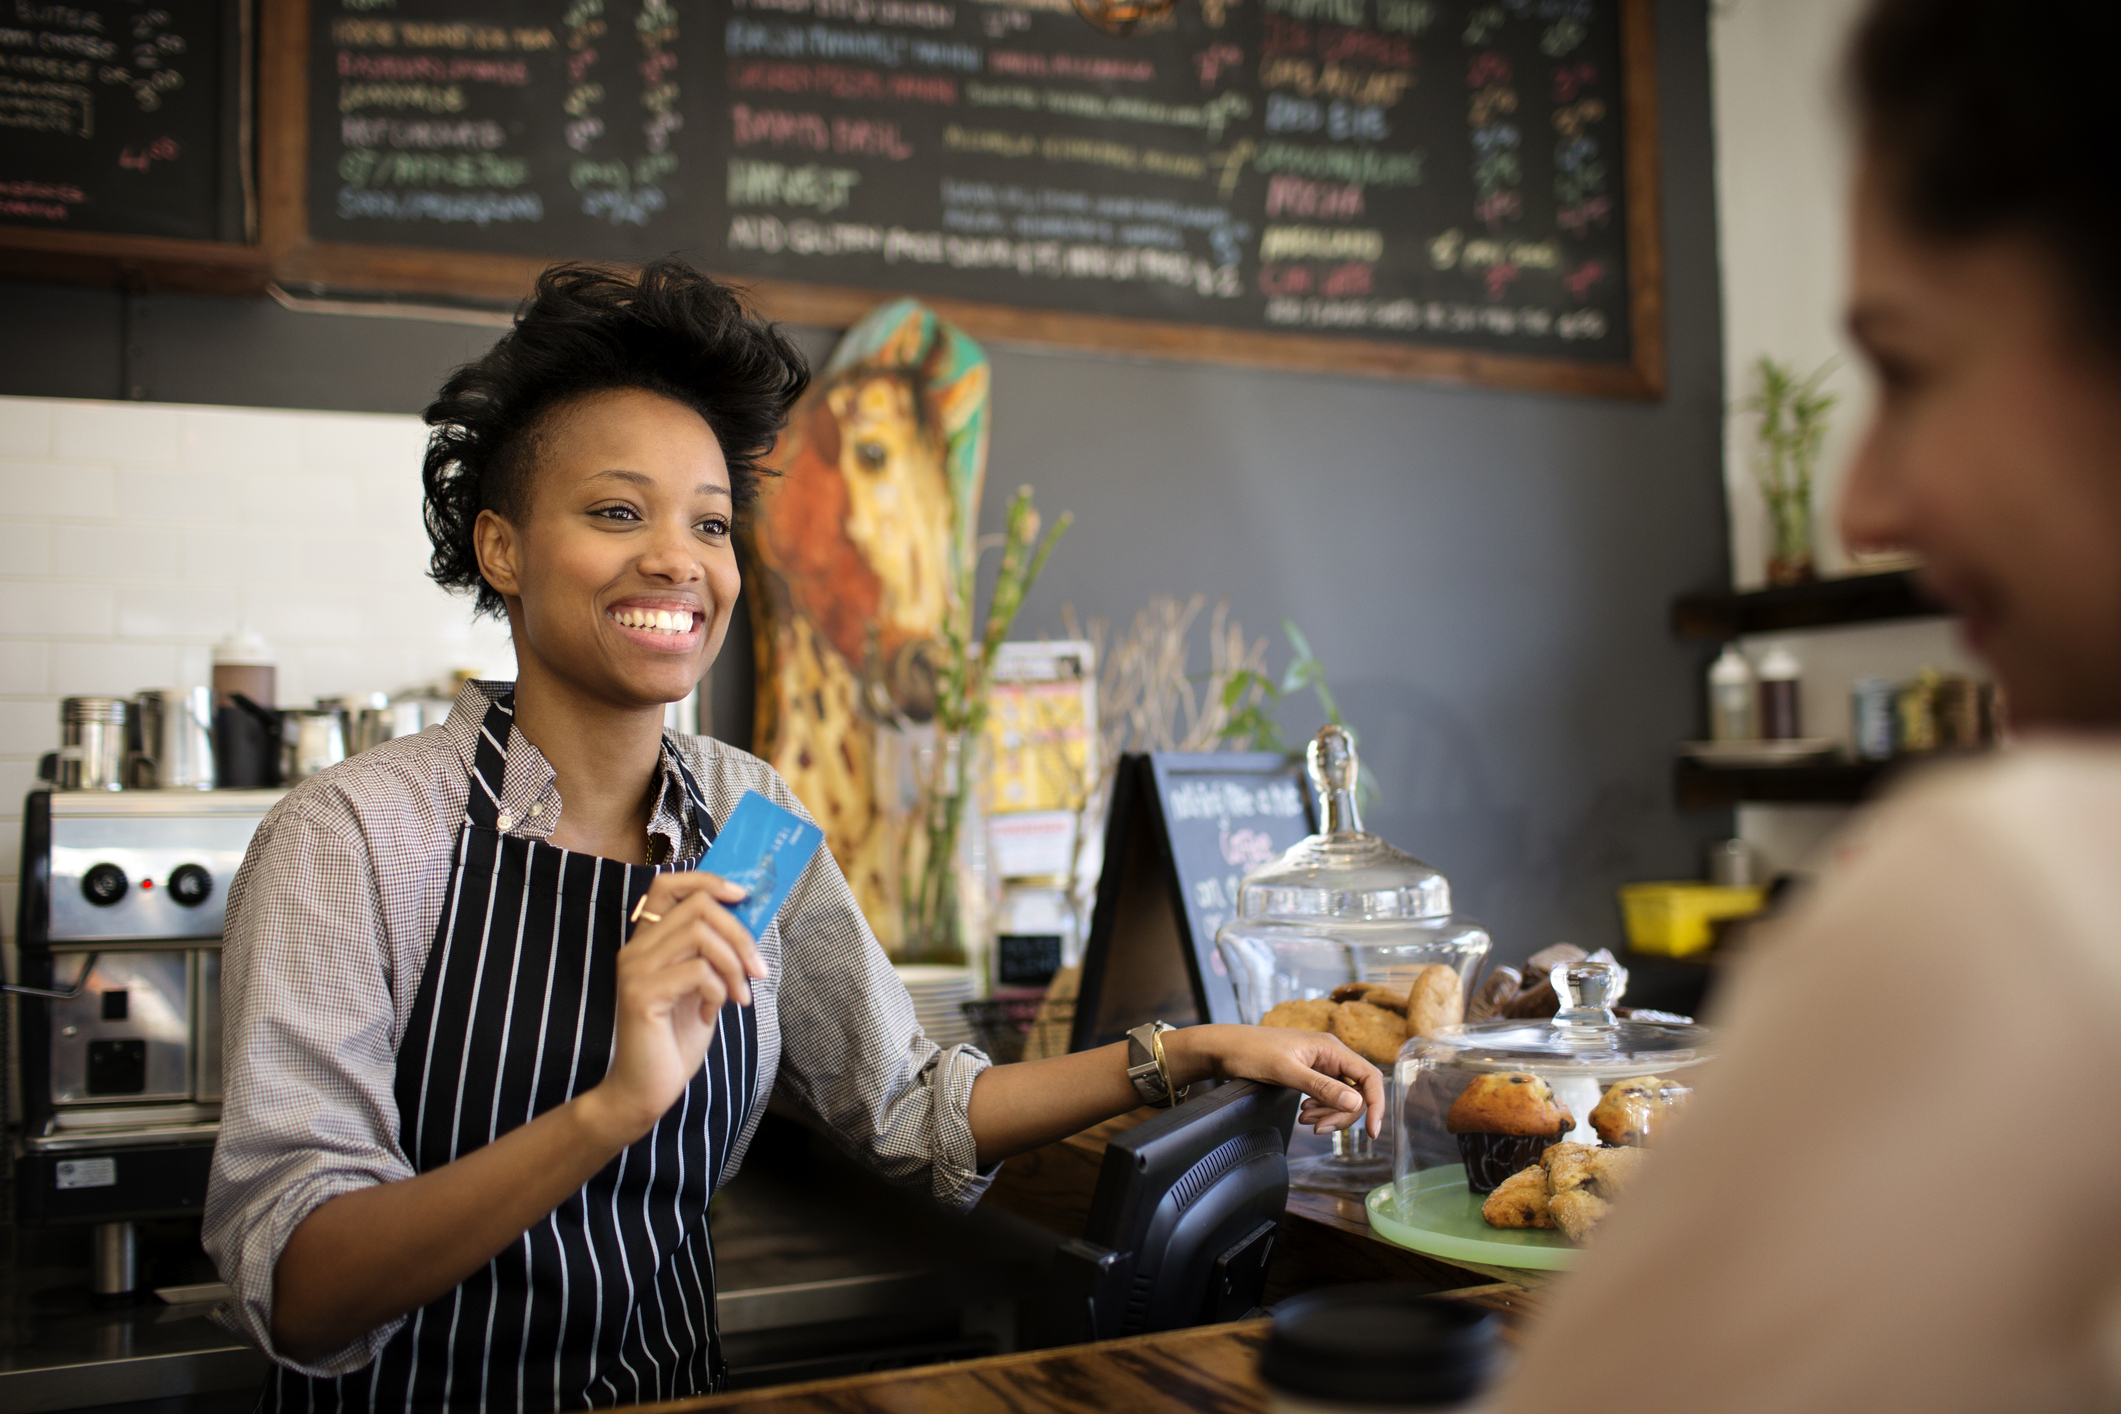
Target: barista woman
(492, 1042)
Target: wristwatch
(1145, 1065)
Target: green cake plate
(1443, 1220)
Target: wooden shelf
(1701, 787)
(1824, 603)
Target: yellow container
(1674, 918)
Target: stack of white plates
(939, 994)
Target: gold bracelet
(1163, 1071)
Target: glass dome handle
(1334, 771)
(1589, 990)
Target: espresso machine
(119, 931)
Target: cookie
(1521, 1201)
(1309, 1014)
(1577, 1212)
(1434, 1001)
(1375, 993)
(1632, 1112)
(1509, 1102)
(1370, 1031)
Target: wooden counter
(1205, 1370)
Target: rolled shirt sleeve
(308, 1111)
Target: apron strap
(693, 792)
(489, 763)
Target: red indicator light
(147, 883)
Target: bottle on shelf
(1781, 718)
(1731, 697)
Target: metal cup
(1731, 864)
(311, 740)
(176, 739)
(92, 743)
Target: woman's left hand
(1339, 1086)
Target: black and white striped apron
(610, 1300)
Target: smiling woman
(473, 1114)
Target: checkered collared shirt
(330, 921)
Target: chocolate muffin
(1502, 1123)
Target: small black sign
(1185, 827)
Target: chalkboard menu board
(1457, 175)
(123, 117)
(1185, 828)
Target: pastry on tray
(1572, 1187)
(1520, 1201)
(1633, 1112)
(1503, 1122)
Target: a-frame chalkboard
(1184, 828)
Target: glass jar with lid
(1480, 1104)
(1364, 935)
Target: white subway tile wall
(133, 535)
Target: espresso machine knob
(103, 885)
(190, 885)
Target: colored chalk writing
(1436, 172)
(114, 117)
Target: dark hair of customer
(590, 329)
(1995, 118)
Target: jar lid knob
(1334, 770)
(1589, 989)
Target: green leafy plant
(962, 703)
(1793, 420)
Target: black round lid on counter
(1381, 1343)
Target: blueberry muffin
(1503, 1122)
(1632, 1112)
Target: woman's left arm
(1015, 1108)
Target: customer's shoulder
(2047, 783)
(2038, 823)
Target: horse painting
(852, 562)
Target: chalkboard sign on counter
(1454, 187)
(124, 118)
(1185, 827)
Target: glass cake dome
(1344, 918)
(1481, 1104)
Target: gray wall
(1486, 575)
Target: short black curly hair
(588, 329)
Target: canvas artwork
(852, 557)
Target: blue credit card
(765, 848)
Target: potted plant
(1792, 414)
(933, 922)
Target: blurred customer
(1898, 1190)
